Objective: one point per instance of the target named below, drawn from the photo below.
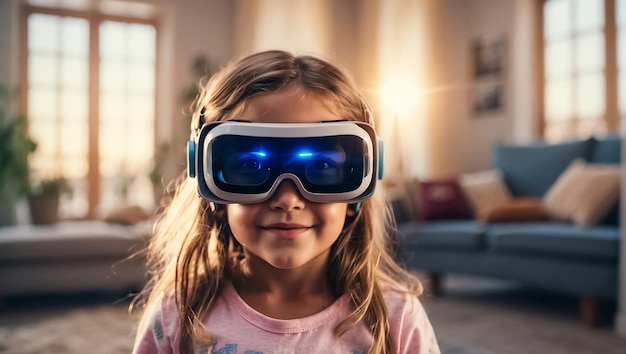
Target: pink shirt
(237, 328)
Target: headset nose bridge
(291, 182)
(287, 195)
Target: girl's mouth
(288, 231)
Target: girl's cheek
(236, 213)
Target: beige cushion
(584, 193)
(484, 189)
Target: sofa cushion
(530, 170)
(514, 210)
(584, 193)
(555, 240)
(484, 189)
(70, 240)
(442, 199)
(449, 234)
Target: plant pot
(44, 209)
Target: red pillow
(443, 199)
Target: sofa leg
(434, 283)
(589, 310)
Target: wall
(462, 141)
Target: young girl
(275, 242)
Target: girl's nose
(286, 197)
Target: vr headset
(244, 162)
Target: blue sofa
(556, 256)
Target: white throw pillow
(484, 189)
(584, 193)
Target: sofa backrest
(530, 170)
(606, 150)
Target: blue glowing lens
(244, 168)
(246, 164)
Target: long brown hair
(192, 252)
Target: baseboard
(620, 324)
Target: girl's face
(287, 231)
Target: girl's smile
(286, 230)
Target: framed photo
(488, 97)
(489, 58)
(488, 66)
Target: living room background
(427, 42)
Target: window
(90, 94)
(620, 20)
(580, 70)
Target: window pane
(43, 33)
(141, 42)
(75, 73)
(620, 14)
(112, 110)
(74, 167)
(558, 100)
(44, 166)
(42, 104)
(42, 70)
(112, 145)
(112, 40)
(127, 80)
(557, 18)
(74, 106)
(72, 140)
(590, 100)
(141, 78)
(75, 37)
(589, 15)
(141, 147)
(558, 58)
(590, 52)
(112, 76)
(141, 109)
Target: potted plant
(44, 198)
(15, 147)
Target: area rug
(99, 330)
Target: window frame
(611, 115)
(94, 18)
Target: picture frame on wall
(488, 66)
(489, 58)
(488, 97)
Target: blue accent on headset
(381, 159)
(191, 158)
